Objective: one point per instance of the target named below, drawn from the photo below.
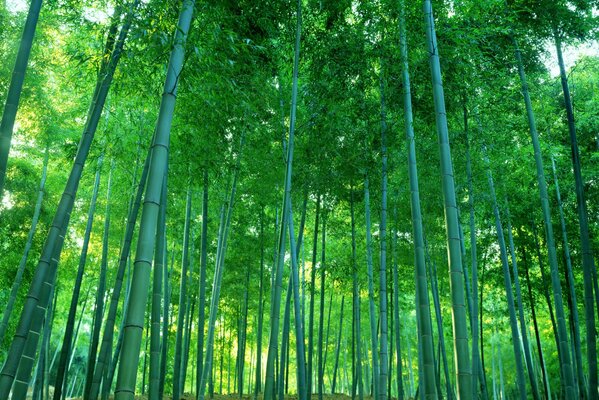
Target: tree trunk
(312, 300)
(372, 311)
(42, 370)
(396, 316)
(44, 274)
(460, 329)
(588, 262)
(187, 338)
(101, 289)
(283, 383)
(383, 341)
(523, 331)
(439, 318)
(481, 326)
(568, 378)
(125, 386)
(521, 383)
(26, 364)
(258, 384)
(158, 288)
(570, 276)
(165, 319)
(321, 311)
(23, 263)
(202, 284)
(356, 304)
(294, 286)
(182, 308)
(104, 356)
(547, 298)
(285, 341)
(477, 376)
(338, 347)
(326, 340)
(244, 322)
(425, 331)
(68, 334)
(218, 274)
(535, 323)
(14, 90)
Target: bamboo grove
(264, 199)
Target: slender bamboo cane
(101, 289)
(521, 383)
(125, 386)
(44, 274)
(13, 96)
(67, 340)
(29, 242)
(588, 261)
(568, 376)
(157, 294)
(356, 334)
(460, 330)
(182, 307)
(218, 276)
(202, 284)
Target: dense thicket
(377, 198)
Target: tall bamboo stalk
(523, 331)
(218, 276)
(13, 96)
(60, 382)
(258, 382)
(383, 340)
(588, 261)
(12, 297)
(44, 273)
(202, 284)
(322, 267)
(574, 307)
(275, 308)
(568, 376)
(425, 330)
(356, 305)
(371, 308)
(104, 356)
(125, 386)
(157, 296)
(521, 383)
(460, 329)
(101, 289)
(182, 308)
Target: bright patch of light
(571, 54)
(451, 10)
(7, 201)
(96, 15)
(15, 6)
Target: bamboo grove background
(269, 198)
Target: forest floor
(189, 396)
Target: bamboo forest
(299, 199)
